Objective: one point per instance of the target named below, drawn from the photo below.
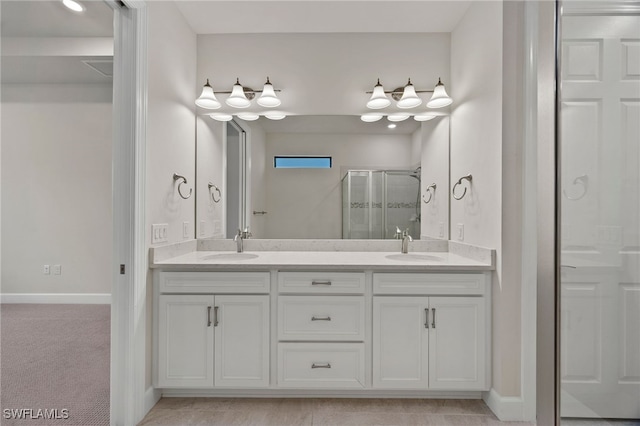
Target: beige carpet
(54, 357)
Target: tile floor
(321, 411)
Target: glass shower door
(599, 118)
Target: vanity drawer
(321, 318)
(215, 282)
(430, 284)
(321, 282)
(321, 365)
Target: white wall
(171, 119)
(171, 124)
(56, 195)
(434, 139)
(307, 203)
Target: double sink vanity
(322, 317)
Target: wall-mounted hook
(580, 180)
(453, 190)
(217, 190)
(431, 190)
(177, 177)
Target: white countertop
(311, 260)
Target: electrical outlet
(57, 269)
(202, 228)
(159, 233)
(460, 232)
(185, 229)
(46, 270)
(441, 229)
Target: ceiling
(322, 16)
(335, 124)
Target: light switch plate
(460, 232)
(46, 270)
(57, 269)
(185, 229)
(159, 233)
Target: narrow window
(301, 162)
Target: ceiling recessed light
(391, 126)
(73, 5)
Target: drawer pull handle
(208, 316)
(314, 282)
(325, 365)
(426, 321)
(215, 316)
(320, 318)
(433, 317)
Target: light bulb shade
(248, 116)
(424, 117)
(219, 116)
(268, 99)
(207, 98)
(274, 115)
(378, 99)
(73, 5)
(397, 117)
(237, 98)
(370, 118)
(440, 98)
(409, 97)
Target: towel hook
(184, 181)
(581, 180)
(211, 185)
(431, 190)
(453, 190)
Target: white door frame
(128, 300)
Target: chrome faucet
(240, 237)
(406, 238)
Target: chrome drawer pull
(320, 318)
(215, 316)
(433, 317)
(208, 316)
(327, 365)
(314, 282)
(426, 321)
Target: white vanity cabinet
(213, 340)
(430, 342)
(321, 330)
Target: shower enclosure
(376, 203)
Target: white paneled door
(599, 201)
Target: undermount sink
(230, 256)
(412, 257)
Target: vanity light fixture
(409, 97)
(423, 117)
(248, 116)
(391, 126)
(379, 98)
(440, 98)
(238, 99)
(73, 5)
(397, 117)
(220, 116)
(370, 117)
(207, 98)
(274, 115)
(268, 99)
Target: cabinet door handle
(320, 318)
(318, 282)
(325, 365)
(215, 316)
(433, 317)
(426, 315)
(208, 316)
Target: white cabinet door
(185, 341)
(400, 342)
(457, 343)
(242, 341)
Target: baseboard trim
(151, 398)
(317, 393)
(57, 298)
(506, 408)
